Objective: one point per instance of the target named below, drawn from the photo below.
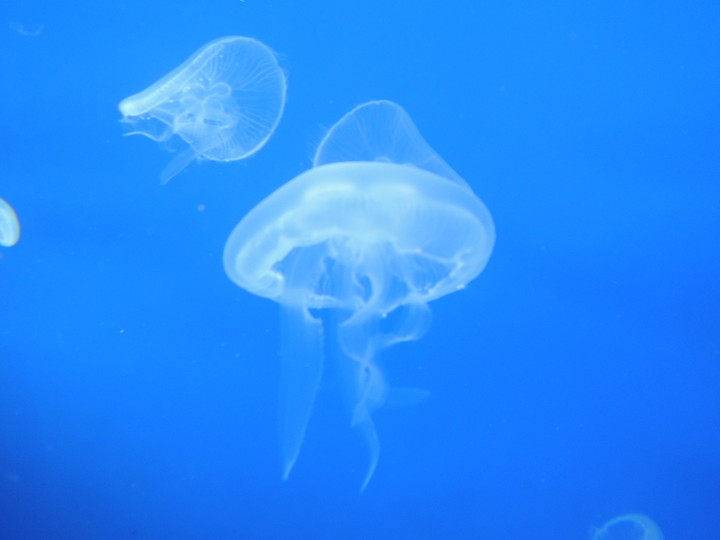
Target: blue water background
(576, 379)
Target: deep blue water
(576, 379)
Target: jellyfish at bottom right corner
(629, 527)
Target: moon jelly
(629, 527)
(225, 102)
(9, 225)
(353, 250)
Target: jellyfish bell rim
(259, 242)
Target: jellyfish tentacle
(178, 164)
(365, 385)
(373, 443)
(302, 366)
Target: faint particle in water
(225, 102)
(629, 527)
(9, 225)
(11, 477)
(354, 250)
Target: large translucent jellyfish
(629, 527)
(353, 250)
(9, 225)
(225, 102)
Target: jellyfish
(353, 250)
(9, 225)
(629, 527)
(225, 102)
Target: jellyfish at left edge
(9, 225)
(353, 250)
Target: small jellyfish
(225, 102)
(9, 225)
(629, 527)
(353, 250)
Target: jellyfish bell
(225, 102)
(372, 241)
(381, 131)
(438, 235)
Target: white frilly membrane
(361, 338)
(302, 367)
